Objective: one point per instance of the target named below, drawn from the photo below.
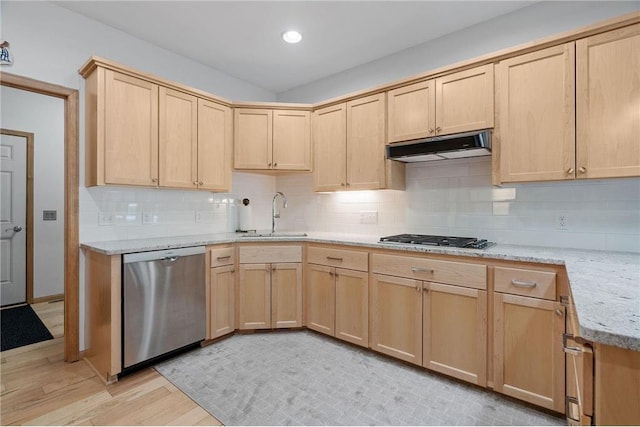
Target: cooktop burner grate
(451, 241)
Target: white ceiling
(242, 38)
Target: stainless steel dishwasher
(163, 302)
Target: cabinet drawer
(529, 283)
(222, 256)
(352, 260)
(454, 273)
(265, 254)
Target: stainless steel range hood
(469, 144)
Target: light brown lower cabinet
(338, 303)
(270, 296)
(455, 331)
(438, 326)
(222, 301)
(527, 349)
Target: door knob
(16, 229)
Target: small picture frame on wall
(5, 55)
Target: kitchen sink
(276, 234)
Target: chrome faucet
(274, 213)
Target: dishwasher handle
(163, 255)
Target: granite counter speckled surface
(605, 285)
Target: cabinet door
(536, 116)
(130, 131)
(222, 301)
(291, 140)
(178, 139)
(352, 306)
(286, 295)
(215, 146)
(396, 317)
(366, 135)
(528, 353)
(464, 101)
(330, 144)
(320, 299)
(253, 138)
(411, 111)
(254, 305)
(461, 313)
(608, 104)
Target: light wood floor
(39, 388)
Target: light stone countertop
(605, 285)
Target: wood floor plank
(73, 413)
(130, 412)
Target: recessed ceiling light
(291, 36)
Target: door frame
(29, 208)
(71, 188)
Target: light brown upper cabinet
(349, 140)
(122, 130)
(608, 104)
(570, 111)
(178, 136)
(536, 115)
(195, 142)
(267, 139)
(457, 102)
(144, 134)
(215, 146)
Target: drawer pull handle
(422, 270)
(332, 258)
(523, 284)
(576, 351)
(572, 402)
(220, 258)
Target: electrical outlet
(562, 222)
(368, 217)
(106, 218)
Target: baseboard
(48, 298)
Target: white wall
(455, 197)
(44, 117)
(542, 19)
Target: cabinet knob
(570, 171)
(348, 185)
(195, 182)
(559, 312)
(275, 165)
(417, 288)
(438, 129)
(154, 179)
(200, 183)
(582, 169)
(233, 271)
(269, 164)
(430, 130)
(342, 184)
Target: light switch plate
(49, 215)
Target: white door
(13, 219)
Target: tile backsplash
(452, 197)
(115, 213)
(455, 197)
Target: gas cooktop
(451, 241)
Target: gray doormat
(303, 378)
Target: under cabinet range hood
(456, 146)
